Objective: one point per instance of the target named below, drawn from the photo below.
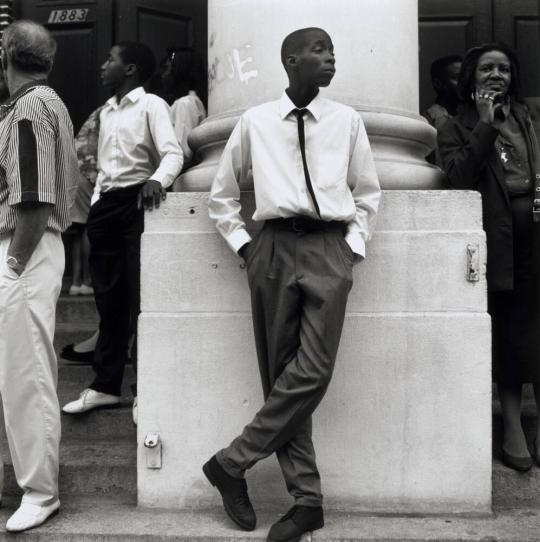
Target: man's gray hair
(29, 47)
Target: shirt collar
(285, 106)
(21, 91)
(133, 96)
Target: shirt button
(538, 175)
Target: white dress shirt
(136, 143)
(340, 163)
(187, 112)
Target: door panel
(81, 46)
(452, 26)
(163, 24)
(517, 24)
(448, 27)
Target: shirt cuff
(238, 239)
(164, 180)
(357, 244)
(31, 197)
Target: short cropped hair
(134, 52)
(470, 62)
(296, 40)
(438, 66)
(29, 47)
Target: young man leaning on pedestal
(317, 191)
(138, 158)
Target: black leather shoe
(234, 494)
(69, 353)
(521, 464)
(297, 521)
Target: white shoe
(134, 411)
(86, 290)
(90, 399)
(30, 515)
(74, 290)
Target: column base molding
(399, 141)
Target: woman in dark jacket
(490, 146)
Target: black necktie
(299, 114)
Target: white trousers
(28, 367)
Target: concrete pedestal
(406, 424)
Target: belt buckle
(296, 225)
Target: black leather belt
(303, 224)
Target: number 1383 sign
(68, 15)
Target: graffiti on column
(236, 64)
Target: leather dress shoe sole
(298, 521)
(296, 539)
(209, 475)
(69, 353)
(98, 407)
(521, 464)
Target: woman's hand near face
(487, 105)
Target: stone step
(98, 519)
(99, 424)
(76, 310)
(110, 424)
(113, 423)
(90, 467)
(512, 489)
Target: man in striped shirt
(38, 176)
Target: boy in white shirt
(138, 158)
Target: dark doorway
(449, 27)
(166, 24)
(86, 29)
(83, 31)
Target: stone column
(406, 424)
(376, 46)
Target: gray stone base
(406, 424)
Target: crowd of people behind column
(133, 147)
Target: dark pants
(299, 287)
(115, 226)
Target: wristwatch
(14, 264)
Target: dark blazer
(468, 157)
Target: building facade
(86, 29)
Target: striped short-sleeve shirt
(38, 162)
